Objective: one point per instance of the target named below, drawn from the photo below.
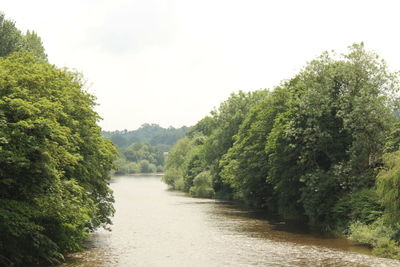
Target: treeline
(322, 147)
(142, 150)
(54, 164)
(154, 134)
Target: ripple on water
(157, 227)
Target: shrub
(362, 206)
(378, 236)
(147, 167)
(202, 185)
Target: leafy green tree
(31, 42)
(55, 166)
(388, 182)
(10, 37)
(147, 167)
(147, 157)
(244, 165)
(334, 131)
(195, 162)
(311, 149)
(226, 120)
(155, 135)
(175, 165)
(202, 185)
(12, 40)
(149, 143)
(119, 140)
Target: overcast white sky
(171, 61)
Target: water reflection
(157, 227)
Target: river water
(157, 227)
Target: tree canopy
(310, 149)
(12, 40)
(142, 150)
(54, 164)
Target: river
(157, 227)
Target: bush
(202, 185)
(160, 169)
(147, 167)
(362, 206)
(179, 184)
(318, 196)
(378, 236)
(126, 167)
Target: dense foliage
(153, 134)
(54, 164)
(142, 150)
(139, 158)
(12, 40)
(314, 148)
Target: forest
(54, 163)
(143, 150)
(321, 147)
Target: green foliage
(333, 134)
(55, 166)
(142, 150)
(310, 149)
(153, 134)
(202, 185)
(362, 206)
(123, 166)
(139, 158)
(225, 125)
(31, 42)
(12, 40)
(22, 239)
(392, 143)
(388, 184)
(147, 167)
(283, 171)
(378, 236)
(10, 37)
(175, 164)
(317, 197)
(244, 165)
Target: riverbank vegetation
(143, 150)
(322, 146)
(54, 164)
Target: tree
(12, 40)
(226, 120)
(31, 42)
(388, 186)
(10, 37)
(202, 185)
(175, 164)
(55, 166)
(244, 165)
(332, 137)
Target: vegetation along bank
(143, 150)
(322, 146)
(54, 164)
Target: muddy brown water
(157, 227)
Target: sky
(171, 62)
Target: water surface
(157, 227)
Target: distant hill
(143, 150)
(154, 134)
